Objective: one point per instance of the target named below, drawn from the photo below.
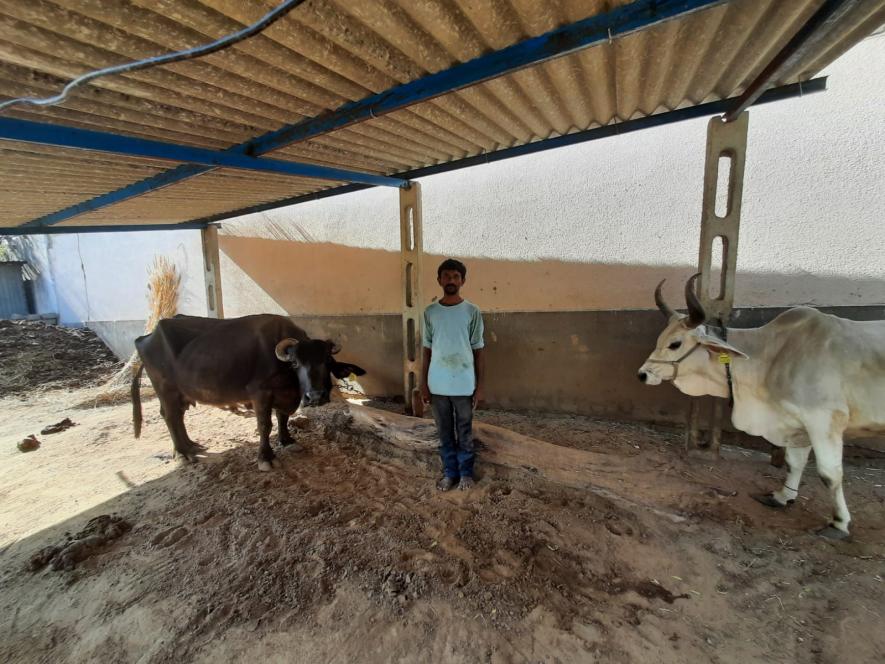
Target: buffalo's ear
(285, 350)
(343, 370)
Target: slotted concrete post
(720, 226)
(212, 272)
(411, 249)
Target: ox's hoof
(264, 466)
(769, 500)
(833, 533)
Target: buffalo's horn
(284, 348)
(696, 314)
(334, 348)
(659, 300)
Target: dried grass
(164, 283)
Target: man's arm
(479, 366)
(425, 368)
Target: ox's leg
(796, 458)
(828, 454)
(263, 410)
(283, 427)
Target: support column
(212, 272)
(720, 225)
(411, 249)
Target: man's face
(451, 281)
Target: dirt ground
(347, 553)
(584, 539)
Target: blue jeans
(454, 419)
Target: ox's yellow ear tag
(724, 358)
(352, 376)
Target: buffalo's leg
(172, 409)
(283, 427)
(265, 424)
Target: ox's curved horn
(284, 348)
(696, 314)
(659, 300)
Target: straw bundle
(164, 282)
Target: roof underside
(327, 53)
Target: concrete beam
(212, 272)
(720, 226)
(411, 249)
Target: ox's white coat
(803, 381)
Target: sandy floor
(347, 554)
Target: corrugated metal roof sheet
(326, 53)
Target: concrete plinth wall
(578, 362)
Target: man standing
(453, 373)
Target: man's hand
(478, 397)
(425, 394)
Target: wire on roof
(178, 56)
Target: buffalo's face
(313, 363)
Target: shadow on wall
(333, 279)
(562, 337)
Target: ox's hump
(800, 316)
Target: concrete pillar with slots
(720, 225)
(411, 248)
(212, 272)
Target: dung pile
(38, 356)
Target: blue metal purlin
(100, 141)
(593, 30)
(63, 230)
(691, 112)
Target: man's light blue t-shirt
(452, 333)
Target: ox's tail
(135, 391)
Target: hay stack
(164, 282)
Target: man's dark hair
(451, 264)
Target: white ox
(803, 381)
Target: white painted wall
(103, 276)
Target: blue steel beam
(100, 141)
(597, 29)
(690, 112)
(67, 230)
